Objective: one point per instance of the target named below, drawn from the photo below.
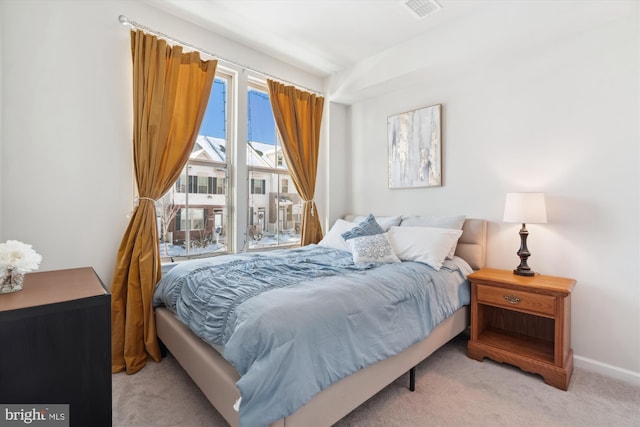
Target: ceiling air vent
(422, 8)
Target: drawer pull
(512, 299)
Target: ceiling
(368, 47)
(318, 36)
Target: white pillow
(423, 244)
(375, 248)
(333, 239)
(438, 221)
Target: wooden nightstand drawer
(517, 300)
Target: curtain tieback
(138, 203)
(312, 206)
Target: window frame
(236, 183)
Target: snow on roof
(209, 148)
(214, 149)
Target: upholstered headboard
(471, 245)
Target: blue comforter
(293, 322)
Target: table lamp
(525, 208)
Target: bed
(218, 379)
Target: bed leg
(163, 348)
(412, 379)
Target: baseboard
(607, 370)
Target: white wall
(334, 164)
(553, 115)
(1, 83)
(66, 174)
(558, 115)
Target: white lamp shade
(525, 208)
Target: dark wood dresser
(55, 344)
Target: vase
(12, 282)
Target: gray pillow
(386, 222)
(368, 227)
(438, 221)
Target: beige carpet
(451, 390)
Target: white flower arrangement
(17, 257)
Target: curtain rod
(126, 21)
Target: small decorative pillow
(372, 249)
(368, 227)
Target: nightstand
(523, 321)
(56, 345)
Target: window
(192, 215)
(257, 186)
(180, 185)
(219, 185)
(275, 208)
(191, 219)
(203, 184)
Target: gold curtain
(298, 115)
(170, 94)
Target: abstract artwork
(415, 148)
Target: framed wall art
(415, 148)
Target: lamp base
(522, 272)
(523, 269)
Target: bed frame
(217, 378)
